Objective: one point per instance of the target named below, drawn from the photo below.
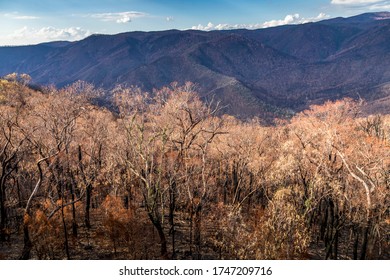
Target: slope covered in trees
(163, 175)
(326, 60)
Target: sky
(30, 22)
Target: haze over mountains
(280, 69)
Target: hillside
(253, 71)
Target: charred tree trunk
(74, 221)
(324, 221)
(88, 194)
(191, 229)
(163, 241)
(336, 245)
(88, 190)
(235, 181)
(26, 253)
(66, 243)
(355, 244)
(3, 213)
(363, 252)
(197, 231)
(226, 185)
(3, 210)
(250, 192)
(172, 207)
(7, 167)
(329, 234)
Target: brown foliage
(165, 169)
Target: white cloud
(18, 16)
(382, 6)
(289, 19)
(354, 2)
(123, 17)
(28, 35)
(169, 19)
(372, 5)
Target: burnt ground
(139, 240)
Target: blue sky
(30, 22)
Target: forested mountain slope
(253, 71)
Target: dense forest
(164, 175)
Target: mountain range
(264, 72)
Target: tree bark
(197, 231)
(172, 206)
(26, 253)
(356, 244)
(74, 221)
(66, 243)
(161, 235)
(87, 206)
(3, 214)
(363, 252)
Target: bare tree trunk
(26, 253)
(336, 245)
(324, 221)
(88, 206)
(355, 244)
(197, 231)
(3, 210)
(250, 192)
(74, 221)
(191, 227)
(363, 252)
(161, 235)
(66, 243)
(3, 213)
(172, 206)
(329, 235)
